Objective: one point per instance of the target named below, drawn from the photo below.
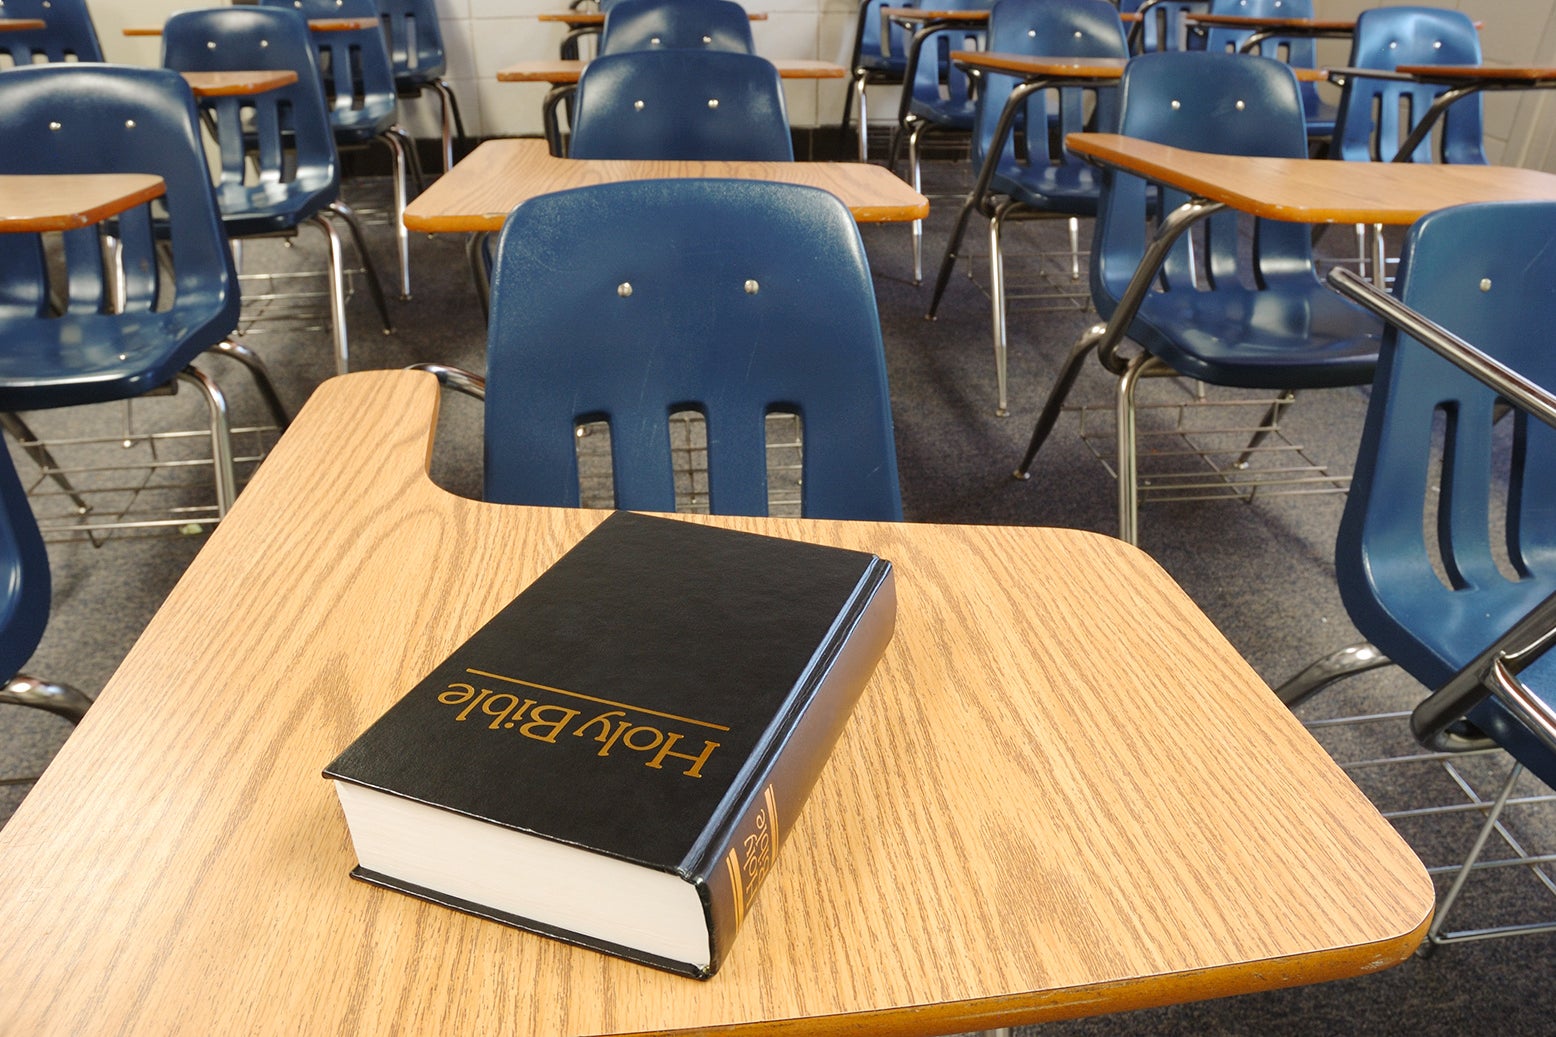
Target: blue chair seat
(1070, 188)
(362, 125)
(91, 358)
(272, 208)
(1259, 338)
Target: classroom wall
(484, 35)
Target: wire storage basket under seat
(101, 474)
(1219, 444)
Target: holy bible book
(616, 757)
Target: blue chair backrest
(1162, 26)
(76, 118)
(354, 63)
(938, 85)
(415, 39)
(1049, 28)
(626, 302)
(893, 54)
(24, 574)
(285, 132)
(676, 24)
(1233, 104)
(67, 35)
(708, 105)
(1296, 51)
(1438, 553)
(1377, 114)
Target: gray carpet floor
(1262, 569)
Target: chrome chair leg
(446, 109)
(997, 307)
(1075, 248)
(864, 118)
(59, 699)
(261, 374)
(915, 180)
(374, 283)
(400, 147)
(337, 279)
(222, 469)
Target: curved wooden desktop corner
(477, 195)
(1035, 811)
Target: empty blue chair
(359, 85)
(873, 60)
(68, 33)
(1377, 114)
(279, 167)
(1228, 311)
(1041, 179)
(939, 96)
(24, 604)
(417, 54)
(1448, 538)
(708, 105)
(1161, 25)
(1296, 51)
(737, 299)
(177, 297)
(676, 24)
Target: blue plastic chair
(737, 299)
(873, 61)
(707, 105)
(1386, 38)
(68, 33)
(940, 99)
(1438, 555)
(676, 25)
(1161, 25)
(360, 89)
(1251, 314)
(179, 295)
(279, 168)
(416, 52)
(24, 604)
(1040, 180)
(1296, 51)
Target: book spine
(736, 863)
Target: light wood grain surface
(1062, 793)
(485, 186)
(49, 203)
(1493, 75)
(578, 19)
(562, 70)
(316, 24)
(1290, 26)
(237, 83)
(1317, 190)
(1035, 67)
(21, 24)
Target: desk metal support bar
(1424, 127)
(977, 198)
(1104, 338)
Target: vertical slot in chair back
(629, 302)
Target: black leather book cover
(665, 694)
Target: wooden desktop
(1063, 793)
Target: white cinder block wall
(484, 35)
